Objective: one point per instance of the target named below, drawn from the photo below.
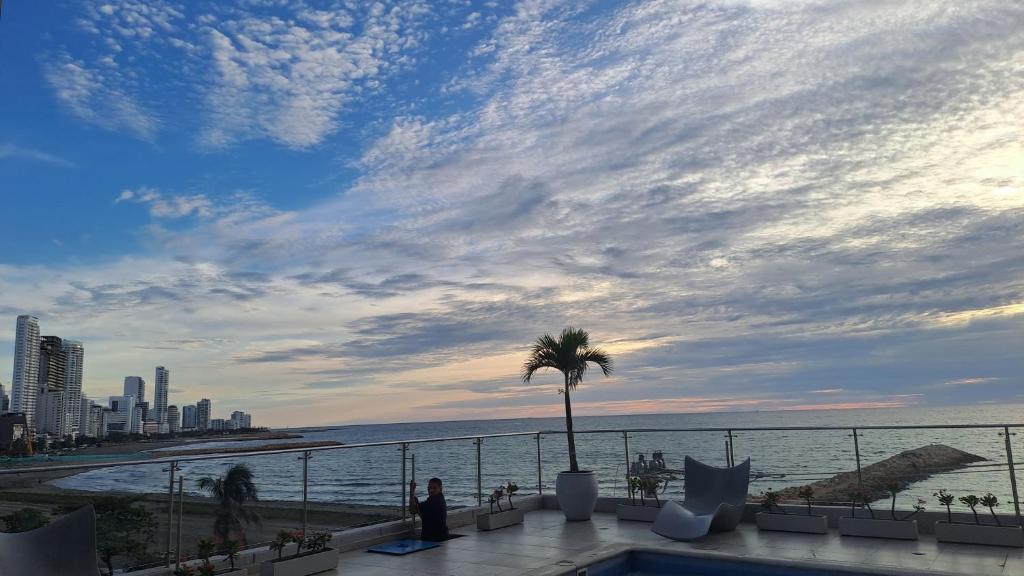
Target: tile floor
(545, 540)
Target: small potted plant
(976, 532)
(500, 518)
(643, 486)
(205, 548)
(317, 557)
(775, 518)
(896, 526)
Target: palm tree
(232, 492)
(570, 354)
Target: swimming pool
(645, 563)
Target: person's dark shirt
(434, 513)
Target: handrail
(224, 455)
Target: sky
(341, 212)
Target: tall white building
(188, 417)
(173, 419)
(83, 424)
(203, 414)
(74, 358)
(25, 383)
(163, 380)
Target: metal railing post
(540, 484)
(170, 510)
(479, 475)
(405, 501)
(732, 453)
(181, 510)
(625, 440)
(1013, 473)
(856, 453)
(306, 456)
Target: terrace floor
(545, 542)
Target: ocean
(778, 459)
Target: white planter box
(878, 528)
(792, 523)
(637, 513)
(303, 565)
(980, 534)
(499, 519)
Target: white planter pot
(637, 513)
(303, 565)
(792, 523)
(499, 519)
(980, 534)
(878, 528)
(577, 494)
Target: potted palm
(570, 354)
(501, 518)
(642, 485)
(775, 518)
(205, 548)
(317, 557)
(896, 526)
(976, 533)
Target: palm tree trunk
(574, 466)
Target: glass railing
(344, 486)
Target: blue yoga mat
(401, 547)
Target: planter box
(303, 565)
(792, 523)
(637, 513)
(980, 534)
(878, 528)
(499, 519)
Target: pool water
(654, 564)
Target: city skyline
(751, 205)
(47, 382)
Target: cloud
(760, 205)
(332, 58)
(96, 97)
(168, 207)
(9, 150)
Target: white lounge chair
(714, 502)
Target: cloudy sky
(328, 212)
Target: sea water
(778, 459)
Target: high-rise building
(163, 380)
(218, 424)
(51, 378)
(203, 414)
(5, 401)
(246, 420)
(188, 417)
(84, 410)
(25, 383)
(135, 386)
(99, 418)
(173, 419)
(123, 415)
(74, 354)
